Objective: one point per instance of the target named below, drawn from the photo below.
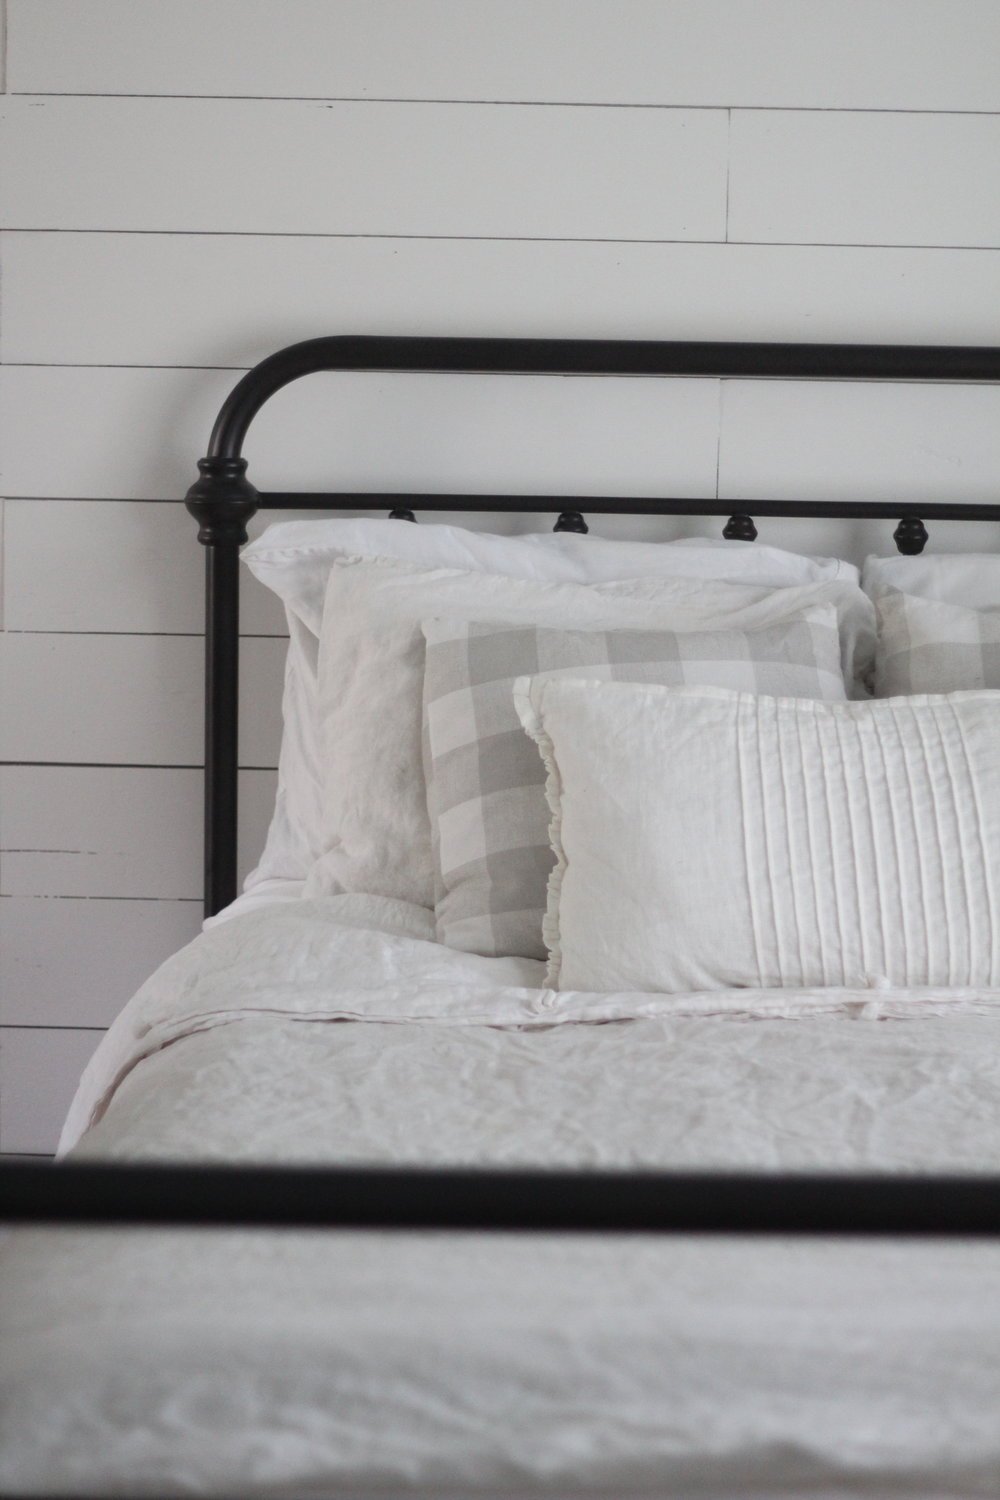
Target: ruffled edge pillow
(706, 839)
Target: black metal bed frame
(222, 501)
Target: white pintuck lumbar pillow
(710, 839)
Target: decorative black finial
(910, 536)
(740, 528)
(571, 520)
(402, 513)
(222, 501)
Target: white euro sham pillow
(375, 830)
(707, 839)
(294, 558)
(970, 579)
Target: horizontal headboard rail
(628, 505)
(649, 357)
(223, 498)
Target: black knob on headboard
(910, 536)
(740, 528)
(571, 520)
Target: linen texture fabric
(374, 833)
(971, 579)
(708, 839)
(294, 560)
(928, 646)
(486, 782)
(374, 1367)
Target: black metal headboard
(223, 499)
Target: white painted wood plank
(861, 441)
(902, 54)
(94, 298)
(117, 565)
(116, 831)
(256, 791)
(119, 699)
(350, 168)
(106, 566)
(39, 1072)
(122, 434)
(137, 433)
(129, 699)
(262, 678)
(867, 179)
(76, 962)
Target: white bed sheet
(360, 1364)
(267, 892)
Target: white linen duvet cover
(363, 1364)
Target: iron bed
(222, 501)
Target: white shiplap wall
(189, 184)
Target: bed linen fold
(348, 1364)
(372, 958)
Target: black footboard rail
(223, 500)
(578, 1201)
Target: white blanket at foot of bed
(360, 1364)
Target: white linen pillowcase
(294, 558)
(970, 579)
(926, 646)
(486, 783)
(375, 832)
(708, 839)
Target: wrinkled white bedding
(288, 1364)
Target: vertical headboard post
(222, 502)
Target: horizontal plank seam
(118, 765)
(45, 896)
(496, 239)
(54, 364)
(41, 1026)
(96, 500)
(708, 108)
(59, 896)
(156, 635)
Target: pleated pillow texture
(486, 782)
(709, 839)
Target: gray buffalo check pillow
(926, 646)
(486, 779)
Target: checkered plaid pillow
(925, 646)
(486, 779)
